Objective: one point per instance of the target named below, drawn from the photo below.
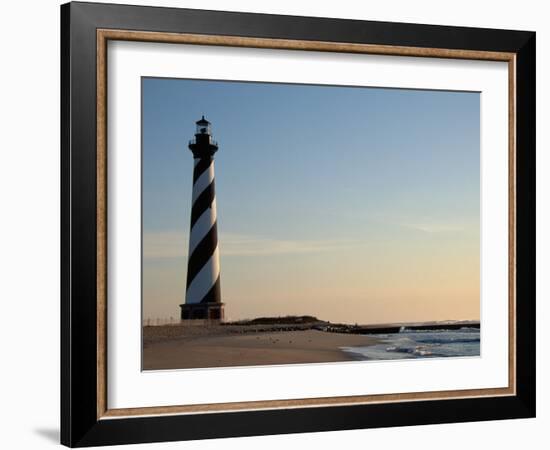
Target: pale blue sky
(312, 172)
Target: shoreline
(284, 340)
(220, 346)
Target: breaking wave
(411, 344)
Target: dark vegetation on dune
(311, 322)
(286, 320)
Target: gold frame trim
(104, 35)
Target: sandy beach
(171, 347)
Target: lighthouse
(203, 293)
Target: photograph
(299, 223)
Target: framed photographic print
(276, 224)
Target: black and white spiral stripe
(203, 269)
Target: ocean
(414, 344)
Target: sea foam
(413, 344)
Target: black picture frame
(80, 425)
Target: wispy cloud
(165, 244)
(434, 227)
(173, 244)
(431, 225)
(242, 245)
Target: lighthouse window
(203, 127)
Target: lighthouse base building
(202, 311)
(203, 292)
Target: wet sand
(184, 348)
